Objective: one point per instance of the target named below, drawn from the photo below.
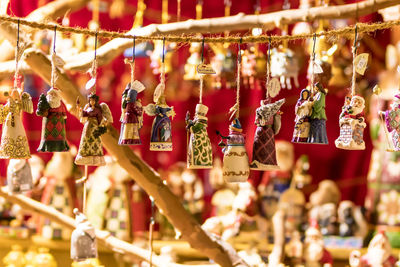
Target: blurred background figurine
(315, 254)
(392, 124)
(83, 239)
(19, 176)
(132, 114)
(351, 220)
(268, 121)
(54, 114)
(285, 66)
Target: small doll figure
(132, 115)
(315, 254)
(83, 239)
(236, 162)
(317, 133)
(352, 124)
(351, 220)
(161, 130)
(268, 121)
(379, 253)
(14, 144)
(302, 121)
(54, 114)
(19, 176)
(327, 219)
(199, 149)
(392, 124)
(96, 117)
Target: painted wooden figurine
(392, 124)
(54, 114)
(285, 66)
(83, 239)
(236, 162)
(315, 254)
(14, 144)
(19, 176)
(318, 133)
(352, 124)
(161, 131)
(268, 121)
(302, 121)
(132, 115)
(199, 148)
(95, 116)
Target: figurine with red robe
(303, 110)
(392, 124)
(268, 121)
(54, 114)
(132, 115)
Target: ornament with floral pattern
(389, 208)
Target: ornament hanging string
(94, 64)
(201, 75)
(345, 31)
(239, 62)
(17, 56)
(53, 59)
(312, 64)
(178, 11)
(132, 62)
(162, 78)
(268, 68)
(353, 78)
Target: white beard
(54, 102)
(313, 253)
(377, 256)
(357, 110)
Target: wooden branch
(142, 173)
(113, 48)
(50, 11)
(103, 237)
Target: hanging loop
(355, 38)
(95, 45)
(314, 42)
(18, 34)
(54, 39)
(239, 50)
(133, 49)
(163, 50)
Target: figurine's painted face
(92, 102)
(357, 103)
(14, 94)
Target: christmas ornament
(351, 120)
(285, 66)
(223, 62)
(268, 121)
(236, 162)
(95, 116)
(392, 124)
(199, 150)
(53, 111)
(161, 131)
(192, 62)
(315, 253)
(83, 239)
(14, 144)
(132, 110)
(303, 110)
(19, 176)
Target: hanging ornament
(236, 162)
(19, 176)
(199, 150)
(351, 119)
(132, 110)
(95, 117)
(268, 121)
(83, 239)
(192, 62)
(14, 144)
(53, 111)
(161, 131)
(223, 62)
(285, 66)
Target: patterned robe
(53, 130)
(199, 149)
(161, 134)
(131, 119)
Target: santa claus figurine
(379, 253)
(315, 254)
(352, 124)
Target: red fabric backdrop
(348, 168)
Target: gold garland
(345, 31)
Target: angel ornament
(268, 121)
(95, 117)
(236, 162)
(352, 124)
(54, 114)
(161, 130)
(199, 148)
(132, 114)
(14, 144)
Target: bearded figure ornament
(379, 253)
(352, 125)
(315, 254)
(54, 114)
